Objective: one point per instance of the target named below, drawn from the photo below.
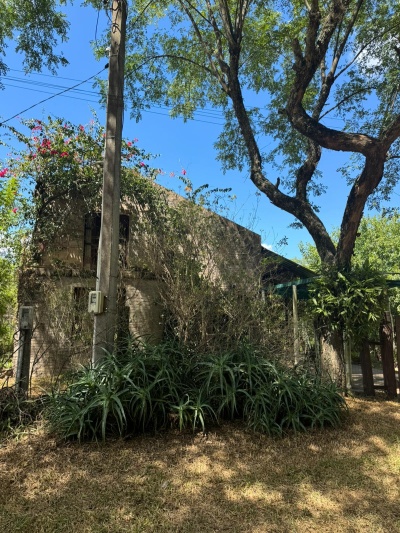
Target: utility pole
(105, 320)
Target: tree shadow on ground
(230, 480)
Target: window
(92, 240)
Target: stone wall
(58, 288)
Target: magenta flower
(129, 144)
(64, 154)
(135, 140)
(183, 172)
(3, 172)
(142, 164)
(14, 210)
(81, 128)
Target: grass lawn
(342, 480)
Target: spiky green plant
(153, 387)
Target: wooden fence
(390, 327)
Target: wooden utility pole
(386, 338)
(24, 350)
(397, 330)
(108, 255)
(296, 340)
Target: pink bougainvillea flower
(3, 172)
(135, 140)
(129, 144)
(37, 128)
(14, 210)
(54, 152)
(64, 154)
(81, 128)
(142, 164)
(183, 172)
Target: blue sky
(178, 144)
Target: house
(165, 241)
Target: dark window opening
(92, 240)
(123, 240)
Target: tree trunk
(332, 357)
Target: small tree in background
(10, 247)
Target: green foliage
(16, 411)
(10, 244)
(151, 388)
(352, 302)
(8, 292)
(378, 242)
(290, 80)
(37, 27)
(62, 162)
(182, 61)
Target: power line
(44, 75)
(193, 119)
(212, 114)
(54, 95)
(27, 84)
(87, 99)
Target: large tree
(282, 70)
(35, 27)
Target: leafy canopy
(352, 302)
(36, 27)
(378, 243)
(292, 78)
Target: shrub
(17, 411)
(155, 387)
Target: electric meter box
(25, 317)
(96, 302)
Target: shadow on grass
(231, 480)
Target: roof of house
(282, 270)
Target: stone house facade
(58, 284)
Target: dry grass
(345, 480)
